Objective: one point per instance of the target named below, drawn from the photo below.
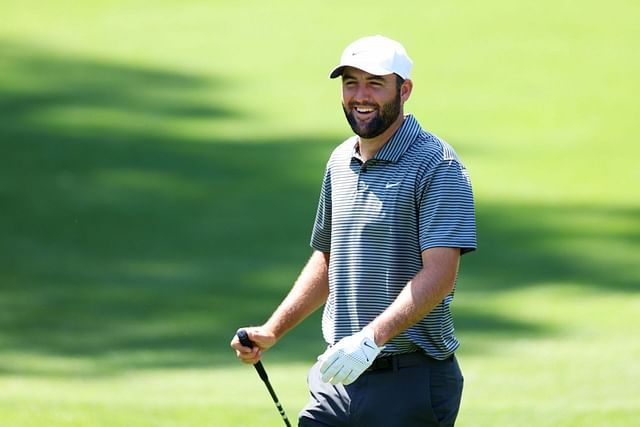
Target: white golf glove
(349, 358)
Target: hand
(262, 339)
(349, 358)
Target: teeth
(364, 110)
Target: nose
(361, 93)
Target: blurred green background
(160, 164)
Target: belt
(397, 361)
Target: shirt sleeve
(446, 209)
(321, 234)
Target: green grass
(160, 166)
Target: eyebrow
(346, 76)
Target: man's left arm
(425, 291)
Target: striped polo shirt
(375, 218)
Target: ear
(405, 90)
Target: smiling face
(372, 104)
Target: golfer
(395, 215)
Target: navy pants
(405, 391)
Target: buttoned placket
(361, 185)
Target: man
(395, 214)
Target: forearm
(421, 294)
(309, 292)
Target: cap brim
(336, 72)
(376, 71)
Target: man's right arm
(309, 292)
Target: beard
(384, 118)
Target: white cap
(376, 55)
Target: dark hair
(399, 82)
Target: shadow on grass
(133, 249)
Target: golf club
(245, 341)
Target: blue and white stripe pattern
(376, 218)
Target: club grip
(245, 341)
(244, 338)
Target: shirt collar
(393, 149)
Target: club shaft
(273, 395)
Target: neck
(370, 146)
